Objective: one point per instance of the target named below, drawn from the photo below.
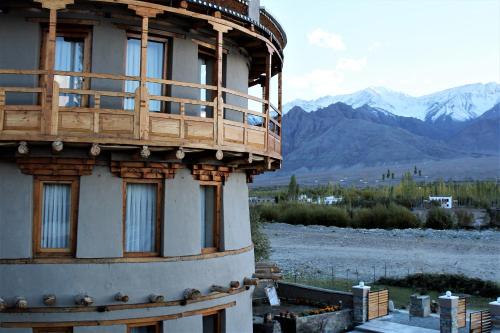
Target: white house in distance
(446, 202)
(332, 200)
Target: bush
(260, 240)
(443, 282)
(391, 217)
(439, 219)
(464, 218)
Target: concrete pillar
(420, 306)
(448, 317)
(360, 303)
(495, 312)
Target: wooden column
(267, 91)
(50, 97)
(280, 106)
(219, 114)
(142, 106)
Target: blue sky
(413, 46)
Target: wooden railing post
(219, 115)
(267, 91)
(49, 100)
(142, 112)
(2, 108)
(54, 115)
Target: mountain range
(379, 127)
(460, 103)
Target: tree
(420, 173)
(388, 173)
(262, 247)
(415, 171)
(293, 189)
(392, 175)
(440, 219)
(383, 177)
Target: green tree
(261, 242)
(388, 173)
(420, 173)
(293, 189)
(392, 175)
(440, 219)
(383, 177)
(415, 171)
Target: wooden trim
(144, 170)
(218, 319)
(53, 330)
(55, 166)
(211, 173)
(4, 324)
(159, 215)
(39, 181)
(107, 261)
(71, 21)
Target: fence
(378, 304)
(480, 322)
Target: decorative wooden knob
(156, 298)
(250, 281)
(235, 284)
(23, 148)
(57, 146)
(84, 300)
(250, 158)
(49, 300)
(121, 298)
(219, 155)
(95, 150)
(180, 154)
(192, 294)
(145, 152)
(21, 303)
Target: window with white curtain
(55, 217)
(155, 68)
(209, 217)
(142, 218)
(206, 69)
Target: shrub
(443, 282)
(260, 240)
(391, 217)
(464, 218)
(439, 219)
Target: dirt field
(318, 250)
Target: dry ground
(319, 250)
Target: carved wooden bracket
(55, 166)
(144, 170)
(205, 172)
(145, 11)
(253, 172)
(55, 4)
(220, 27)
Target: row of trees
(390, 175)
(409, 193)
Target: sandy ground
(321, 250)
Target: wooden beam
(55, 4)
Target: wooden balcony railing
(94, 119)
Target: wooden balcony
(258, 132)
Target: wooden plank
(234, 134)
(165, 127)
(22, 120)
(198, 130)
(112, 123)
(76, 121)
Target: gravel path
(318, 250)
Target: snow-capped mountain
(460, 103)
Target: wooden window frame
(159, 216)
(75, 32)
(156, 325)
(165, 89)
(217, 313)
(53, 329)
(39, 181)
(217, 217)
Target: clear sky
(413, 46)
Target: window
(155, 69)
(206, 71)
(72, 54)
(210, 205)
(55, 215)
(142, 217)
(212, 322)
(53, 330)
(144, 328)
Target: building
(444, 202)
(332, 200)
(126, 145)
(261, 200)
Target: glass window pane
(154, 69)
(144, 329)
(141, 220)
(69, 57)
(207, 207)
(56, 216)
